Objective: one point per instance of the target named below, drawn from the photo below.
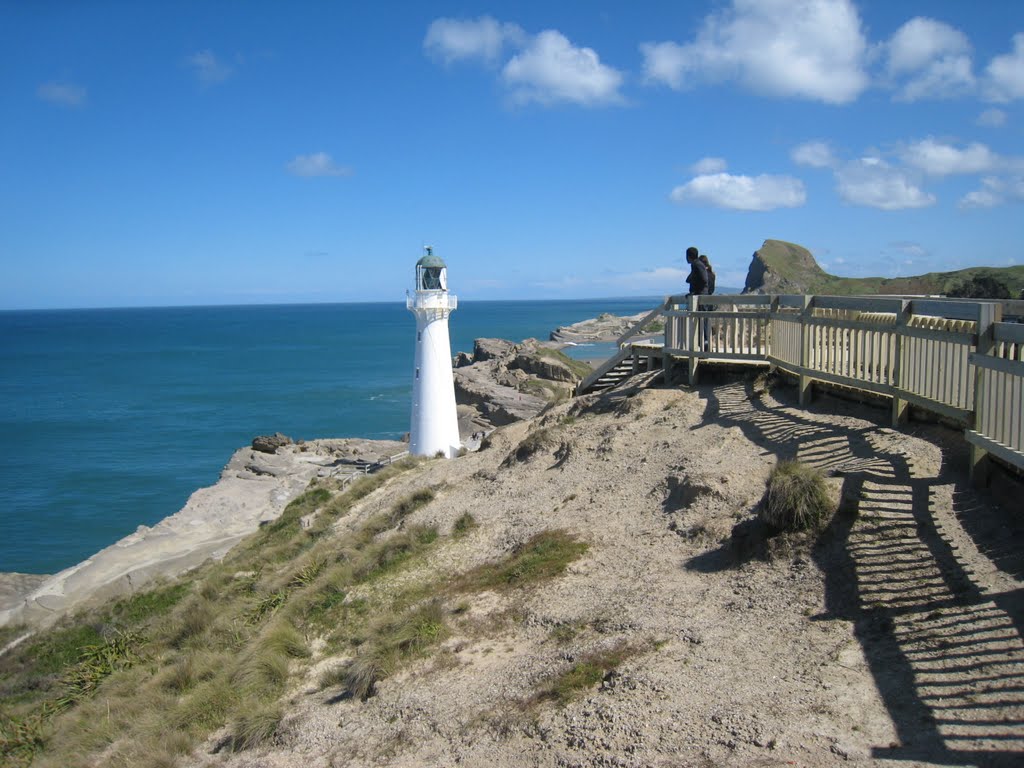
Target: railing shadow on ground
(947, 657)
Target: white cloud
(63, 94)
(932, 59)
(708, 165)
(994, 191)
(551, 69)
(807, 49)
(317, 164)
(483, 38)
(939, 159)
(208, 68)
(1005, 74)
(742, 193)
(816, 154)
(991, 118)
(873, 183)
(665, 63)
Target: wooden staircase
(627, 362)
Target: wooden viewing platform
(952, 357)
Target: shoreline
(253, 488)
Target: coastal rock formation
(604, 327)
(505, 382)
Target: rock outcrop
(270, 443)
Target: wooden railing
(953, 358)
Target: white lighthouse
(435, 425)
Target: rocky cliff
(781, 267)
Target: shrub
(797, 497)
(464, 525)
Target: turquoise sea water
(112, 417)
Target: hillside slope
(781, 267)
(569, 595)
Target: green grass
(544, 556)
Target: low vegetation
(797, 498)
(144, 680)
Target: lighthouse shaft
(435, 427)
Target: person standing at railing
(698, 280)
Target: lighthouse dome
(431, 272)
(430, 260)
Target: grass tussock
(544, 556)
(395, 640)
(256, 727)
(586, 672)
(465, 523)
(797, 498)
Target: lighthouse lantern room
(435, 425)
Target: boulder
(462, 359)
(491, 349)
(270, 443)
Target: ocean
(112, 417)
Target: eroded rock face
(543, 367)
(477, 385)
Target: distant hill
(781, 267)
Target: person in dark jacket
(698, 280)
(711, 273)
(698, 277)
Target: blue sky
(256, 152)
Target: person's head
(691, 254)
(704, 261)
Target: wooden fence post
(988, 316)
(900, 407)
(805, 349)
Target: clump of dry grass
(797, 498)
(539, 440)
(256, 727)
(395, 639)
